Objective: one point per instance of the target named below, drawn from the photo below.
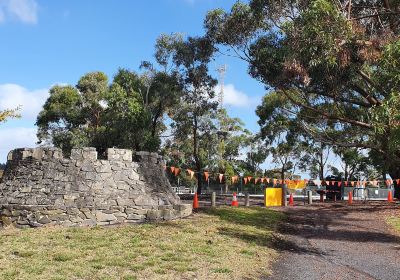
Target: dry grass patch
(224, 243)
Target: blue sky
(48, 42)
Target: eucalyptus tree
(334, 66)
(191, 120)
(71, 116)
(96, 113)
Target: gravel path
(336, 241)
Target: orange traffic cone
(234, 200)
(350, 197)
(195, 201)
(390, 197)
(291, 200)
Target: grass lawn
(221, 243)
(395, 222)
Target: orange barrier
(291, 200)
(234, 200)
(390, 197)
(195, 201)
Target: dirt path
(335, 241)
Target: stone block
(153, 215)
(184, 209)
(106, 168)
(138, 211)
(87, 166)
(44, 220)
(103, 217)
(26, 189)
(135, 217)
(88, 222)
(144, 200)
(124, 201)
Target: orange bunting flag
(328, 183)
(191, 173)
(172, 169)
(275, 180)
(388, 182)
(176, 172)
(352, 183)
(364, 183)
(397, 182)
(267, 180)
(221, 176)
(206, 176)
(249, 178)
(245, 180)
(262, 180)
(256, 180)
(234, 179)
(305, 181)
(339, 183)
(346, 183)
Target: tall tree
(97, 114)
(335, 65)
(315, 158)
(191, 120)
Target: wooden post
(213, 199)
(247, 201)
(309, 196)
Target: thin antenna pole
(221, 70)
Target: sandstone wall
(40, 187)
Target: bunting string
(290, 182)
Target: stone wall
(41, 187)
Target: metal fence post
(213, 199)
(309, 196)
(247, 200)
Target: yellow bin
(273, 197)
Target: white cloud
(16, 137)
(236, 98)
(31, 102)
(23, 10)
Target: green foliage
(126, 114)
(9, 114)
(333, 71)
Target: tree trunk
(395, 174)
(199, 179)
(196, 157)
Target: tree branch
(326, 115)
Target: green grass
(395, 222)
(221, 243)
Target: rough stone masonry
(41, 187)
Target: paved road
(331, 241)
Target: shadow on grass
(262, 224)
(325, 222)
